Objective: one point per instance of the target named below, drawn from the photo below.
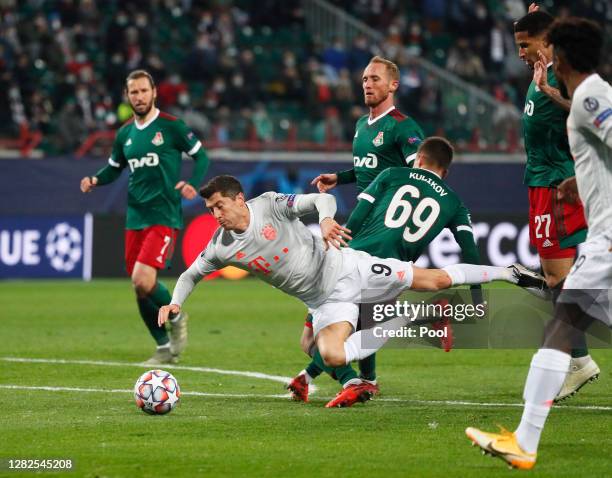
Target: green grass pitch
(242, 428)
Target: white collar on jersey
(144, 125)
(242, 235)
(430, 171)
(549, 64)
(371, 121)
(585, 83)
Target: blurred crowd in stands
(249, 70)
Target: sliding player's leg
(300, 383)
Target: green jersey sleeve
(187, 142)
(461, 227)
(408, 137)
(185, 139)
(366, 201)
(346, 177)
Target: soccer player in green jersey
(151, 145)
(397, 216)
(555, 228)
(384, 138)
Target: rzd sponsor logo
(150, 160)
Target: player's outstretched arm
(334, 234)
(325, 204)
(88, 183)
(325, 182)
(183, 288)
(186, 189)
(164, 313)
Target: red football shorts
(551, 220)
(152, 246)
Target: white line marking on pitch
(117, 390)
(287, 396)
(262, 376)
(275, 378)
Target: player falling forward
(555, 228)
(586, 295)
(265, 237)
(397, 216)
(151, 145)
(383, 138)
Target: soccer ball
(156, 392)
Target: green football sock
(313, 369)
(367, 368)
(577, 353)
(148, 312)
(160, 295)
(342, 374)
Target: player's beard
(373, 102)
(144, 111)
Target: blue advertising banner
(46, 246)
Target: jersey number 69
(424, 215)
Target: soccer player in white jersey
(587, 292)
(265, 237)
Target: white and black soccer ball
(157, 392)
(64, 247)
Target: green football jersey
(548, 155)
(389, 140)
(403, 210)
(153, 154)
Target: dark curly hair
(579, 40)
(227, 185)
(534, 23)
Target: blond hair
(392, 68)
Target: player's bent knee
(335, 358)
(142, 285)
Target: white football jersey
(276, 248)
(589, 130)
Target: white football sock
(547, 373)
(353, 347)
(473, 274)
(164, 346)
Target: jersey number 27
(423, 215)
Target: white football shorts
(589, 283)
(363, 279)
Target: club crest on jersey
(268, 232)
(158, 139)
(378, 141)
